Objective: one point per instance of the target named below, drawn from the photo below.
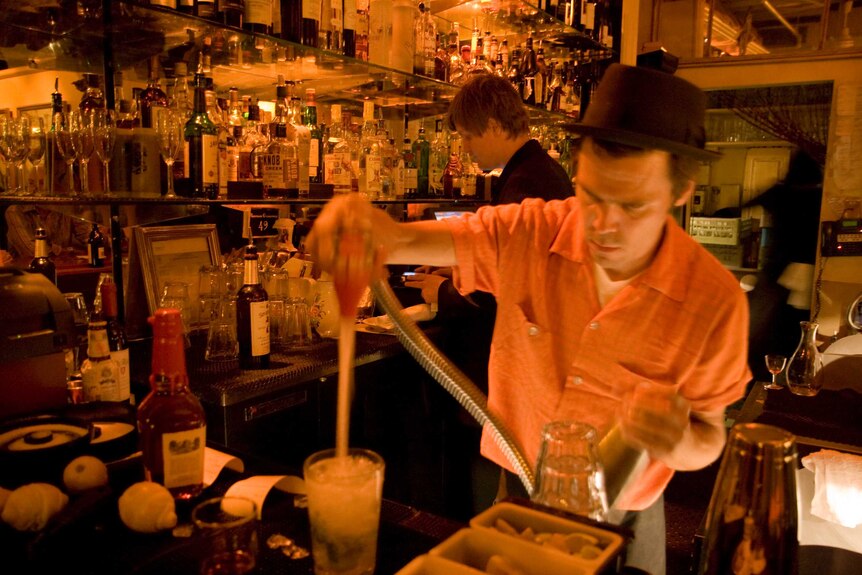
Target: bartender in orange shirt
(601, 295)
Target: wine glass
(63, 136)
(14, 149)
(37, 143)
(104, 125)
(169, 127)
(81, 124)
(775, 364)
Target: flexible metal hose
(452, 379)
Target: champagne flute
(169, 127)
(37, 143)
(775, 364)
(81, 124)
(63, 136)
(104, 135)
(14, 149)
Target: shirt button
(577, 380)
(533, 330)
(594, 325)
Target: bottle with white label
(201, 136)
(117, 342)
(252, 316)
(100, 372)
(171, 421)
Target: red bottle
(171, 421)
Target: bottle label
(310, 9)
(209, 158)
(435, 178)
(337, 171)
(101, 380)
(272, 170)
(183, 457)
(350, 14)
(411, 179)
(124, 380)
(314, 155)
(373, 164)
(258, 11)
(259, 312)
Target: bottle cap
(41, 234)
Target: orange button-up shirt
(557, 354)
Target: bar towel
(837, 486)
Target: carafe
(805, 368)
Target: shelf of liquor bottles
(137, 200)
(120, 37)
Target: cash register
(36, 326)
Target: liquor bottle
(252, 316)
(117, 342)
(186, 6)
(257, 18)
(206, 9)
(380, 33)
(301, 140)
(426, 41)
(171, 421)
(324, 24)
(349, 33)
(252, 138)
(276, 162)
(315, 153)
(362, 28)
(230, 12)
(409, 171)
(438, 159)
(93, 97)
(529, 70)
(172, 4)
(201, 137)
(404, 41)
(504, 51)
(541, 78)
(96, 247)
(152, 96)
(310, 22)
(441, 59)
(452, 175)
(422, 157)
(225, 139)
(41, 263)
(516, 79)
(99, 371)
(336, 15)
(336, 160)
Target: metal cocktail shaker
(752, 517)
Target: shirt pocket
(613, 380)
(524, 346)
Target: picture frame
(167, 253)
(37, 111)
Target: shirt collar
(662, 275)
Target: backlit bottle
(252, 316)
(422, 158)
(201, 136)
(152, 97)
(171, 421)
(41, 263)
(117, 343)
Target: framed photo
(38, 111)
(171, 254)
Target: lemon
(85, 472)
(147, 507)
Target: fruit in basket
(85, 472)
(31, 506)
(147, 507)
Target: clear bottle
(438, 158)
(201, 136)
(370, 158)
(252, 316)
(426, 41)
(302, 139)
(171, 420)
(362, 28)
(409, 171)
(336, 160)
(41, 262)
(117, 342)
(380, 30)
(100, 372)
(422, 157)
(93, 97)
(96, 247)
(276, 161)
(529, 70)
(452, 176)
(805, 368)
(253, 138)
(152, 96)
(225, 139)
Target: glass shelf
(183, 201)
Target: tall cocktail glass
(344, 510)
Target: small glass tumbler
(227, 529)
(297, 324)
(344, 495)
(569, 474)
(222, 344)
(210, 292)
(751, 521)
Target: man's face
(484, 148)
(626, 201)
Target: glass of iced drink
(344, 510)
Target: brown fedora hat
(648, 109)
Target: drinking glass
(297, 324)
(36, 144)
(83, 142)
(210, 292)
(344, 496)
(222, 344)
(751, 521)
(227, 528)
(169, 127)
(104, 123)
(14, 149)
(569, 474)
(175, 294)
(775, 364)
(63, 136)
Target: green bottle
(421, 156)
(201, 136)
